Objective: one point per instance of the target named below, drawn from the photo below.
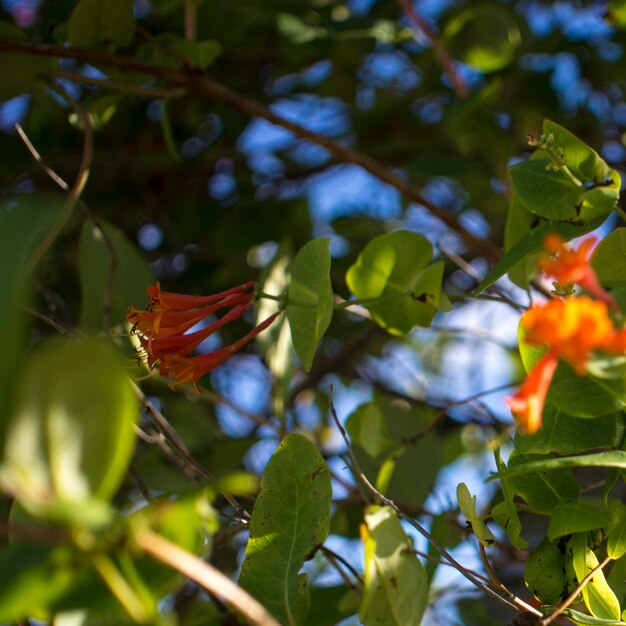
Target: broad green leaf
(598, 596)
(505, 513)
(396, 589)
(545, 574)
(545, 192)
(393, 268)
(602, 199)
(609, 259)
(568, 518)
(519, 223)
(23, 224)
(485, 36)
(106, 24)
(131, 275)
(580, 396)
(32, 579)
(310, 304)
(275, 343)
(368, 428)
(614, 458)
(21, 73)
(467, 504)
(71, 436)
(616, 532)
(577, 617)
(290, 519)
(170, 50)
(616, 13)
(583, 161)
(541, 490)
(410, 475)
(529, 245)
(564, 434)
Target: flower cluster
(571, 328)
(163, 329)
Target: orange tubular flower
(163, 328)
(572, 329)
(568, 266)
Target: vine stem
(203, 86)
(205, 575)
(514, 604)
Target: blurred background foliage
(200, 196)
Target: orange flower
(527, 403)
(571, 329)
(163, 328)
(569, 266)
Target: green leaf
(531, 244)
(563, 434)
(311, 296)
(609, 259)
(545, 574)
(519, 223)
(485, 36)
(540, 490)
(396, 589)
(23, 223)
(467, 504)
(614, 458)
(102, 24)
(170, 50)
(598, 596)
(582, 618)
(505, 513)
(71, 436)
(545, 192)
(368, 428)
(393, 267)
(290, 519)
(575, 517)
(21, 73)
(583, 161)
(131, 275)
(616, 532)
(275, 343)
(32, 579)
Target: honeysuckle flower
(571, 329)
(568, 266)
(527, 403)
(163, 329)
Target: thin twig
(572, 597)
(203, 86)
(77, 188)
(441, 52)
(107, 295)
(115, 85)
(337, 557)
(205, 575)
(356, 469)
(434, 559)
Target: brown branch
(441, 52)
(202, 86)
(205, 575)
(572, 597)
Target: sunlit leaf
(310, 304)
(396, 589)
(290, 519)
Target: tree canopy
(313, 312)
